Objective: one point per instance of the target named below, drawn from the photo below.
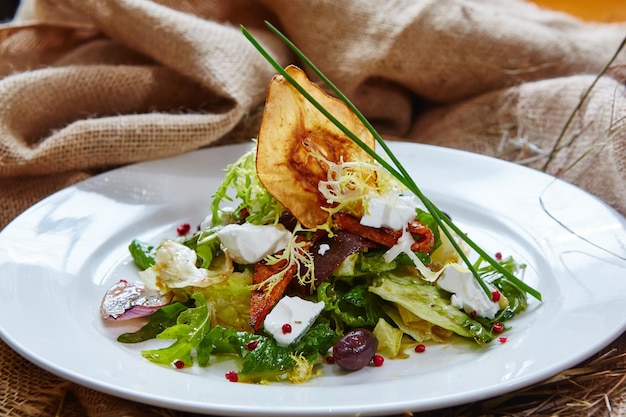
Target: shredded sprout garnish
(349, 185)
(295, 255)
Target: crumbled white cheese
(393, 211)
(248, 243)
(175, 267)
(467, 292)
(298, 313)
(324, 247)
(403, 245)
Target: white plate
(58, 258)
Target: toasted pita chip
(293, 133)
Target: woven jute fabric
(89, 85)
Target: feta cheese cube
(467, 292)
(394, 211)
(248, 243)
(298, 313)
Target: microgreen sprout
(399, 172)
(296, 256)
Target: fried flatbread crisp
(295, 140)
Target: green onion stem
(400, 173)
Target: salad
(313, 252)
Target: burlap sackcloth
(87, 85)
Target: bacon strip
(264, 299)
(382, 236)
(424, 237)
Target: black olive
(355, 349)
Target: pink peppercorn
(183, 229)
(232, 376)
(378, 360)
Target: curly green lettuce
(256, 205)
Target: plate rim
(347, 410)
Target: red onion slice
(126, 300)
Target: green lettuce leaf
(142, 254)
(350, 305)
(230, 301)
(429, 303)
(517, 297)
(206, 244)
(270, 361)
(157, 322)
(373, 262)
(192, 326)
